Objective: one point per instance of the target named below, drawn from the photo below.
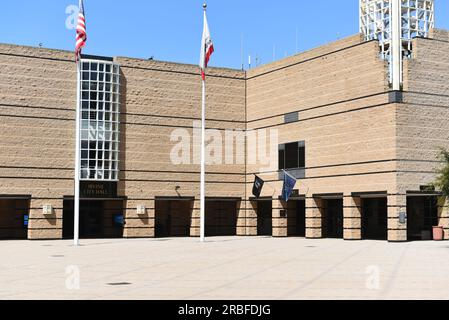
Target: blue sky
(171, 30)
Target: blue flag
(289, 185)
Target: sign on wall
(98, 189)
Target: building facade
(362, 152)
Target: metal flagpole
(203, 157)
(77, 158)
(203, 166)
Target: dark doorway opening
(98, 219)
(221, 218)
(333, 219)
(422, 216)
(173, 218)
(14, 217)
(375, 219)
(265, 218)
(296, 218)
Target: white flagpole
(77, 159)
(203, 166)
(203, 156)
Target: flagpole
(77, 158)
(203, 158)
(203, 166)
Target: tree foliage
(442, 181)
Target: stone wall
(37, 103)
(345, 117)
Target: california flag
(207, 48)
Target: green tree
(442, 181)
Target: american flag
(81, 35)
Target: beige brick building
(361, 151)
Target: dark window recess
(292, 158)
(292, 155)
(282, 157)
(302, 154)
(291, 117)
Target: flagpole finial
(204, 6)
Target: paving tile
(224, 268)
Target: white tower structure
(395, 23)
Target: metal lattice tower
(377, 21)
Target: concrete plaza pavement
(224, 268)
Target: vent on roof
(291, 117)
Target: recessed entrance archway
(221, 216)
(332, 218)
(265, 217)
(422, 216)
(296, 217)
(173, 217)
(99, 218)
(14, 217)
(374, 218)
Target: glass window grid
(100, 108)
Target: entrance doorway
(14, 215)
(297, 218)
(333, 219)
(375, 219)
(422, 213)
(221, 218)
(265, 218)
(173, 218)
(98, 219)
